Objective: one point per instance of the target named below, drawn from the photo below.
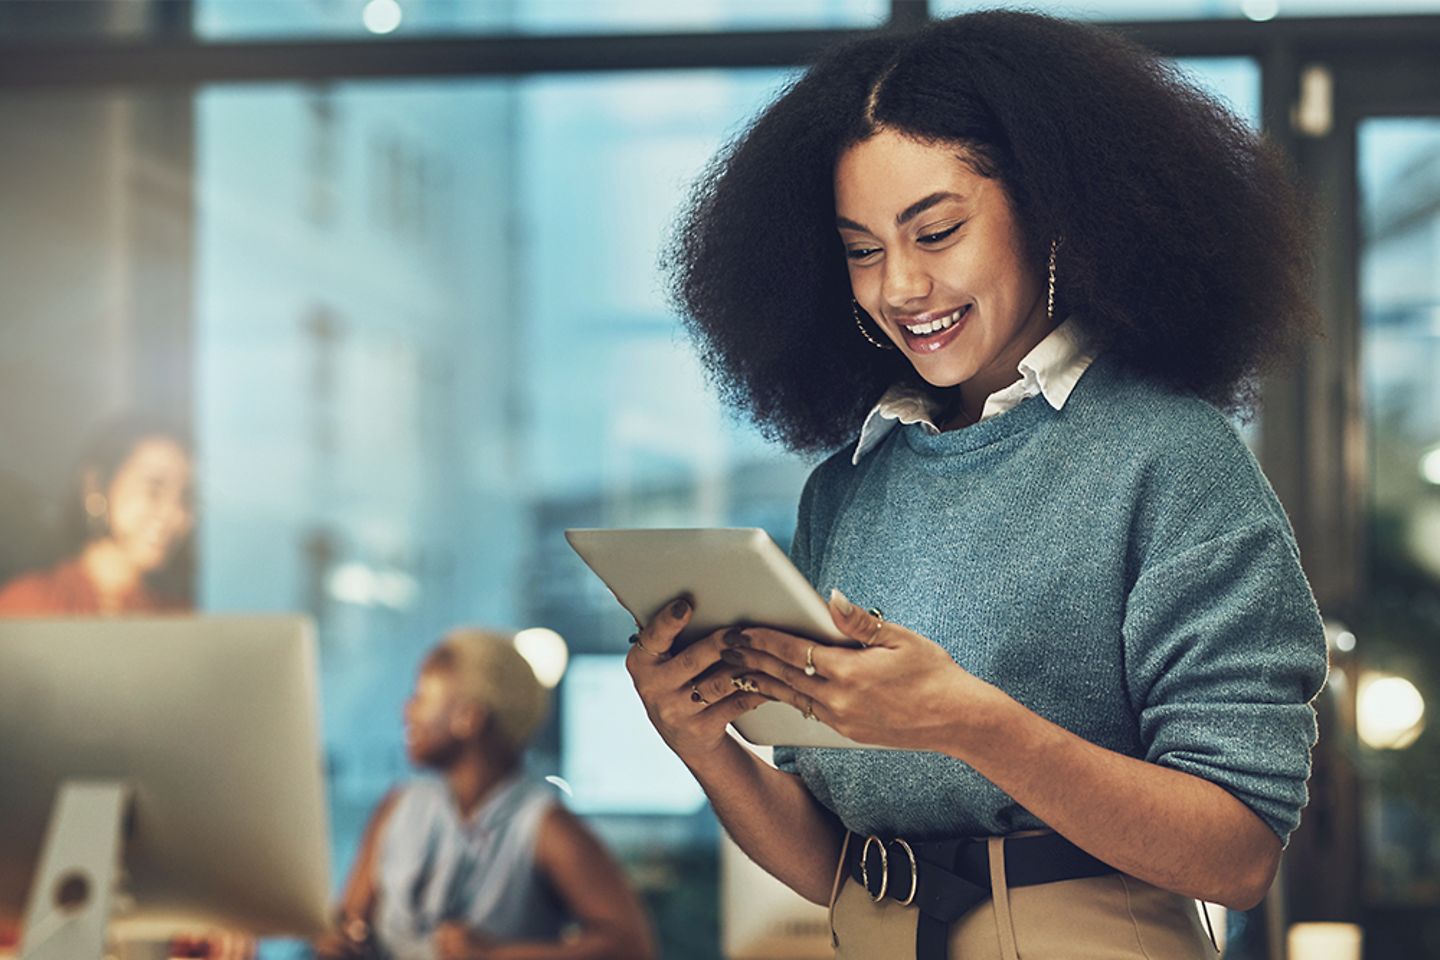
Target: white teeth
(925, 329)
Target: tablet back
(734, 576)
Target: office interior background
(395, 262)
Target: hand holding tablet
(733, 577)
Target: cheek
(127, 512)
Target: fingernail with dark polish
(732, 656)
(679, 608)
(736, 638)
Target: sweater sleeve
(1224, 651)
(784, 757)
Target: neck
(110, 570)
(474, 776)
(972, 394)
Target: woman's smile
(928, 332)
(928, 238)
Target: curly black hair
(1183, 249)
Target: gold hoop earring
(1050, 293)
(855, 312)
(97, 514)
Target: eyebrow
(906, 215)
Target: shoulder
(1179, 460)
(829, 477)
(563, 840)
(1112, 399)
(43, 592)
(1173, 435)
(418, 798)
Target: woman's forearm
(772, 817)
(1164, 826)
(588, 945)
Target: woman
(1029, 265)
(130, 518)
(479, 862)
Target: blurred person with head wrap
(475, 860)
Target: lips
(930, 332)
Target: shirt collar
(1052, 369)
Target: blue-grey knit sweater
(1120, 566)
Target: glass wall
(1399, 632)
(430, 337)
(236, 19)
(1208, 9)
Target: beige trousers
(1114, 917)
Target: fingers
(656, 638)
(780, 655)
(734, 707)
(772, 689)
(716, 686)
(857, 624)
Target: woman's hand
(215, 945)
(690, 696)
(455, 941)
(334, 945)
(899, 690)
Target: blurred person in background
(127, 529)
(475, 860)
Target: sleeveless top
(435, 866)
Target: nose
(905, 280)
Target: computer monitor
(211, 724)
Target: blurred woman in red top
(130, 519)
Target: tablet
(736, 576)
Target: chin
(942, 376)
(149, 561)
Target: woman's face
(935, 257)
(431, 715)
(149, 502)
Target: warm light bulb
(1389, 712)
(1430, 466)
(381, 16)
(545, 651)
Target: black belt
(945, 879)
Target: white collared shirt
(1051, 369)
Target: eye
(861, 253)
(939, 235)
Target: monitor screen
(612, 758)
(211, 723)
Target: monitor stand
(71, 895)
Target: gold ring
(810, 660)
(884, 868)
(744, 684)
(697, 696)
(809, 708)
(914, 872)
(637, 642)
(879, 622)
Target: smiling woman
(1177, 231)
(129, 519)
(949, 267)
(1091, 682)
